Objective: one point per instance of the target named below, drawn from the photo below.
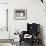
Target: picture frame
(20, 14)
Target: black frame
(24, 11)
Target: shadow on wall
(41, 34)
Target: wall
(3, 20)
(3, 34)
(3, 1)
(35, 13)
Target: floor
(23, 44)
(6, 44)
(26, 44)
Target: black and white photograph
(22, 22)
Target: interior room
(22, 23)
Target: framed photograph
(20, 14)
